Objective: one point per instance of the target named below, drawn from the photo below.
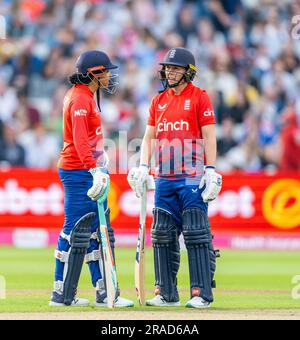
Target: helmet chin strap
(165, 81)
(98, 95)
(98, 89)
(176, 84)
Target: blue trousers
(76, 184)
(177, 195)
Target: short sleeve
(206, 113)
(151, 118)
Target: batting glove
(213, 183)
(100, 182)
(137, 177)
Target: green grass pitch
(245, 280)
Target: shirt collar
(185, 90)
(84, 88)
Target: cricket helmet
(92, 63)
(179, 57)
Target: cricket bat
(110, 271)
(140, 249)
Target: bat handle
(100, 203)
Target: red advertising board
(252, 204)
(258, 203)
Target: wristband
(210, 167)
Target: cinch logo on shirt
(166, 126)
(81, 112)
(208, 113)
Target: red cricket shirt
(82, 132)
(178, 120)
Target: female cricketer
(182, 123)
(83, 173)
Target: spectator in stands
(227, 141)
(42, 148)
(11, 152)
(248, 62)
(8, 100)
(290, 142)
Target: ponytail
(77, 78)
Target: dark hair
(77, 78)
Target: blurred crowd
(247, 52)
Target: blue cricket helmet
(94, 62)
(179, 57)
(90, 65)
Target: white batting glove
(137, 177)
(100, 181)
(213, 182)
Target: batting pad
(79, 241)
(198, 240)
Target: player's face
(174, 73)
(104, 78)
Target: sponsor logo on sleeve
(209, 113)
(80, 113)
